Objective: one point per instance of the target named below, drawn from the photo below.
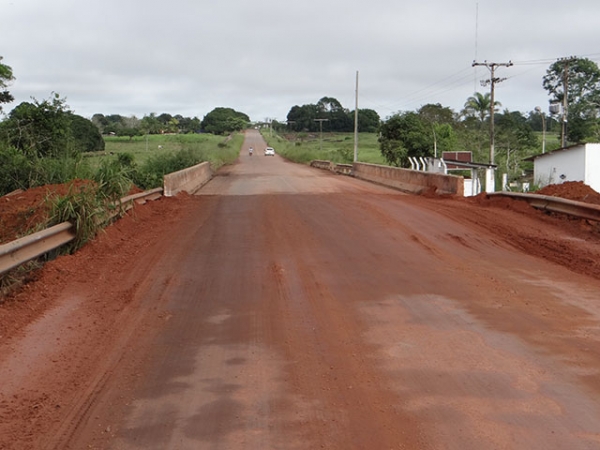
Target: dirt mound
(572, 190)
(24, 212)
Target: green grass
(335, 147)
(216, 149)
(552, 141)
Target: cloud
(263, 57)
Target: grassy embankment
(336, 147)
(219, 150)
(148, 158)
(140, 161)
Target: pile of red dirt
(24, 212)
(572, 190)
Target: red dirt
(116, 248)
(24, 211)
(351, 318)
(572, 190)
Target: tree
(86, 136)
(100, 121)
(515, 140)
(224, 120)
(441, 121)
(303, 117)
(40, 128)
(6, 76)
(150, 124)
(173, 125)
(130, 132)
(368, 120)
(476, 111)
(188, 125)
(338, 118)
(583, 93)
(478, 106)
(404, 135)
(436, 113)
(114, 123)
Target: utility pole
(541, 113)
(290, 122)
(321, 131)
(356, 122)
(492, 82)
(565, 106)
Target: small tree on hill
(224, 120)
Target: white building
(579, 162)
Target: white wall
(569, 163)
(592, 166)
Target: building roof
(570, 147)
(469, 165)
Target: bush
(150, 174)
(113, 179)
(15, 170)
(86, 136)
(59, 170)
(83, 208)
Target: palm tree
(478, 106)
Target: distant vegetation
(337, 147)
(43, 142)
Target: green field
(298, 147)
(552, 140)
(219, 150)
(335, 147)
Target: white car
(269, 151)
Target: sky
(261, 57)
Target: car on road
(269, 151)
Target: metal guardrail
(24, 249)
(29, 247)
(555, 204)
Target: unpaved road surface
(287, 308)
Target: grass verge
(336, 147)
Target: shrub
(15, 170)
(151, 173)
(83, 208)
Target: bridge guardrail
(19, 251)
(555, 204)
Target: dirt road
(288, 308)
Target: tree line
(48, 128)
(219, 121)
(329, 115)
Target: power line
(454, 81)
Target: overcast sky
(262, 57)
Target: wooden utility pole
(492, 82)
(565, 105)
(321, 131)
